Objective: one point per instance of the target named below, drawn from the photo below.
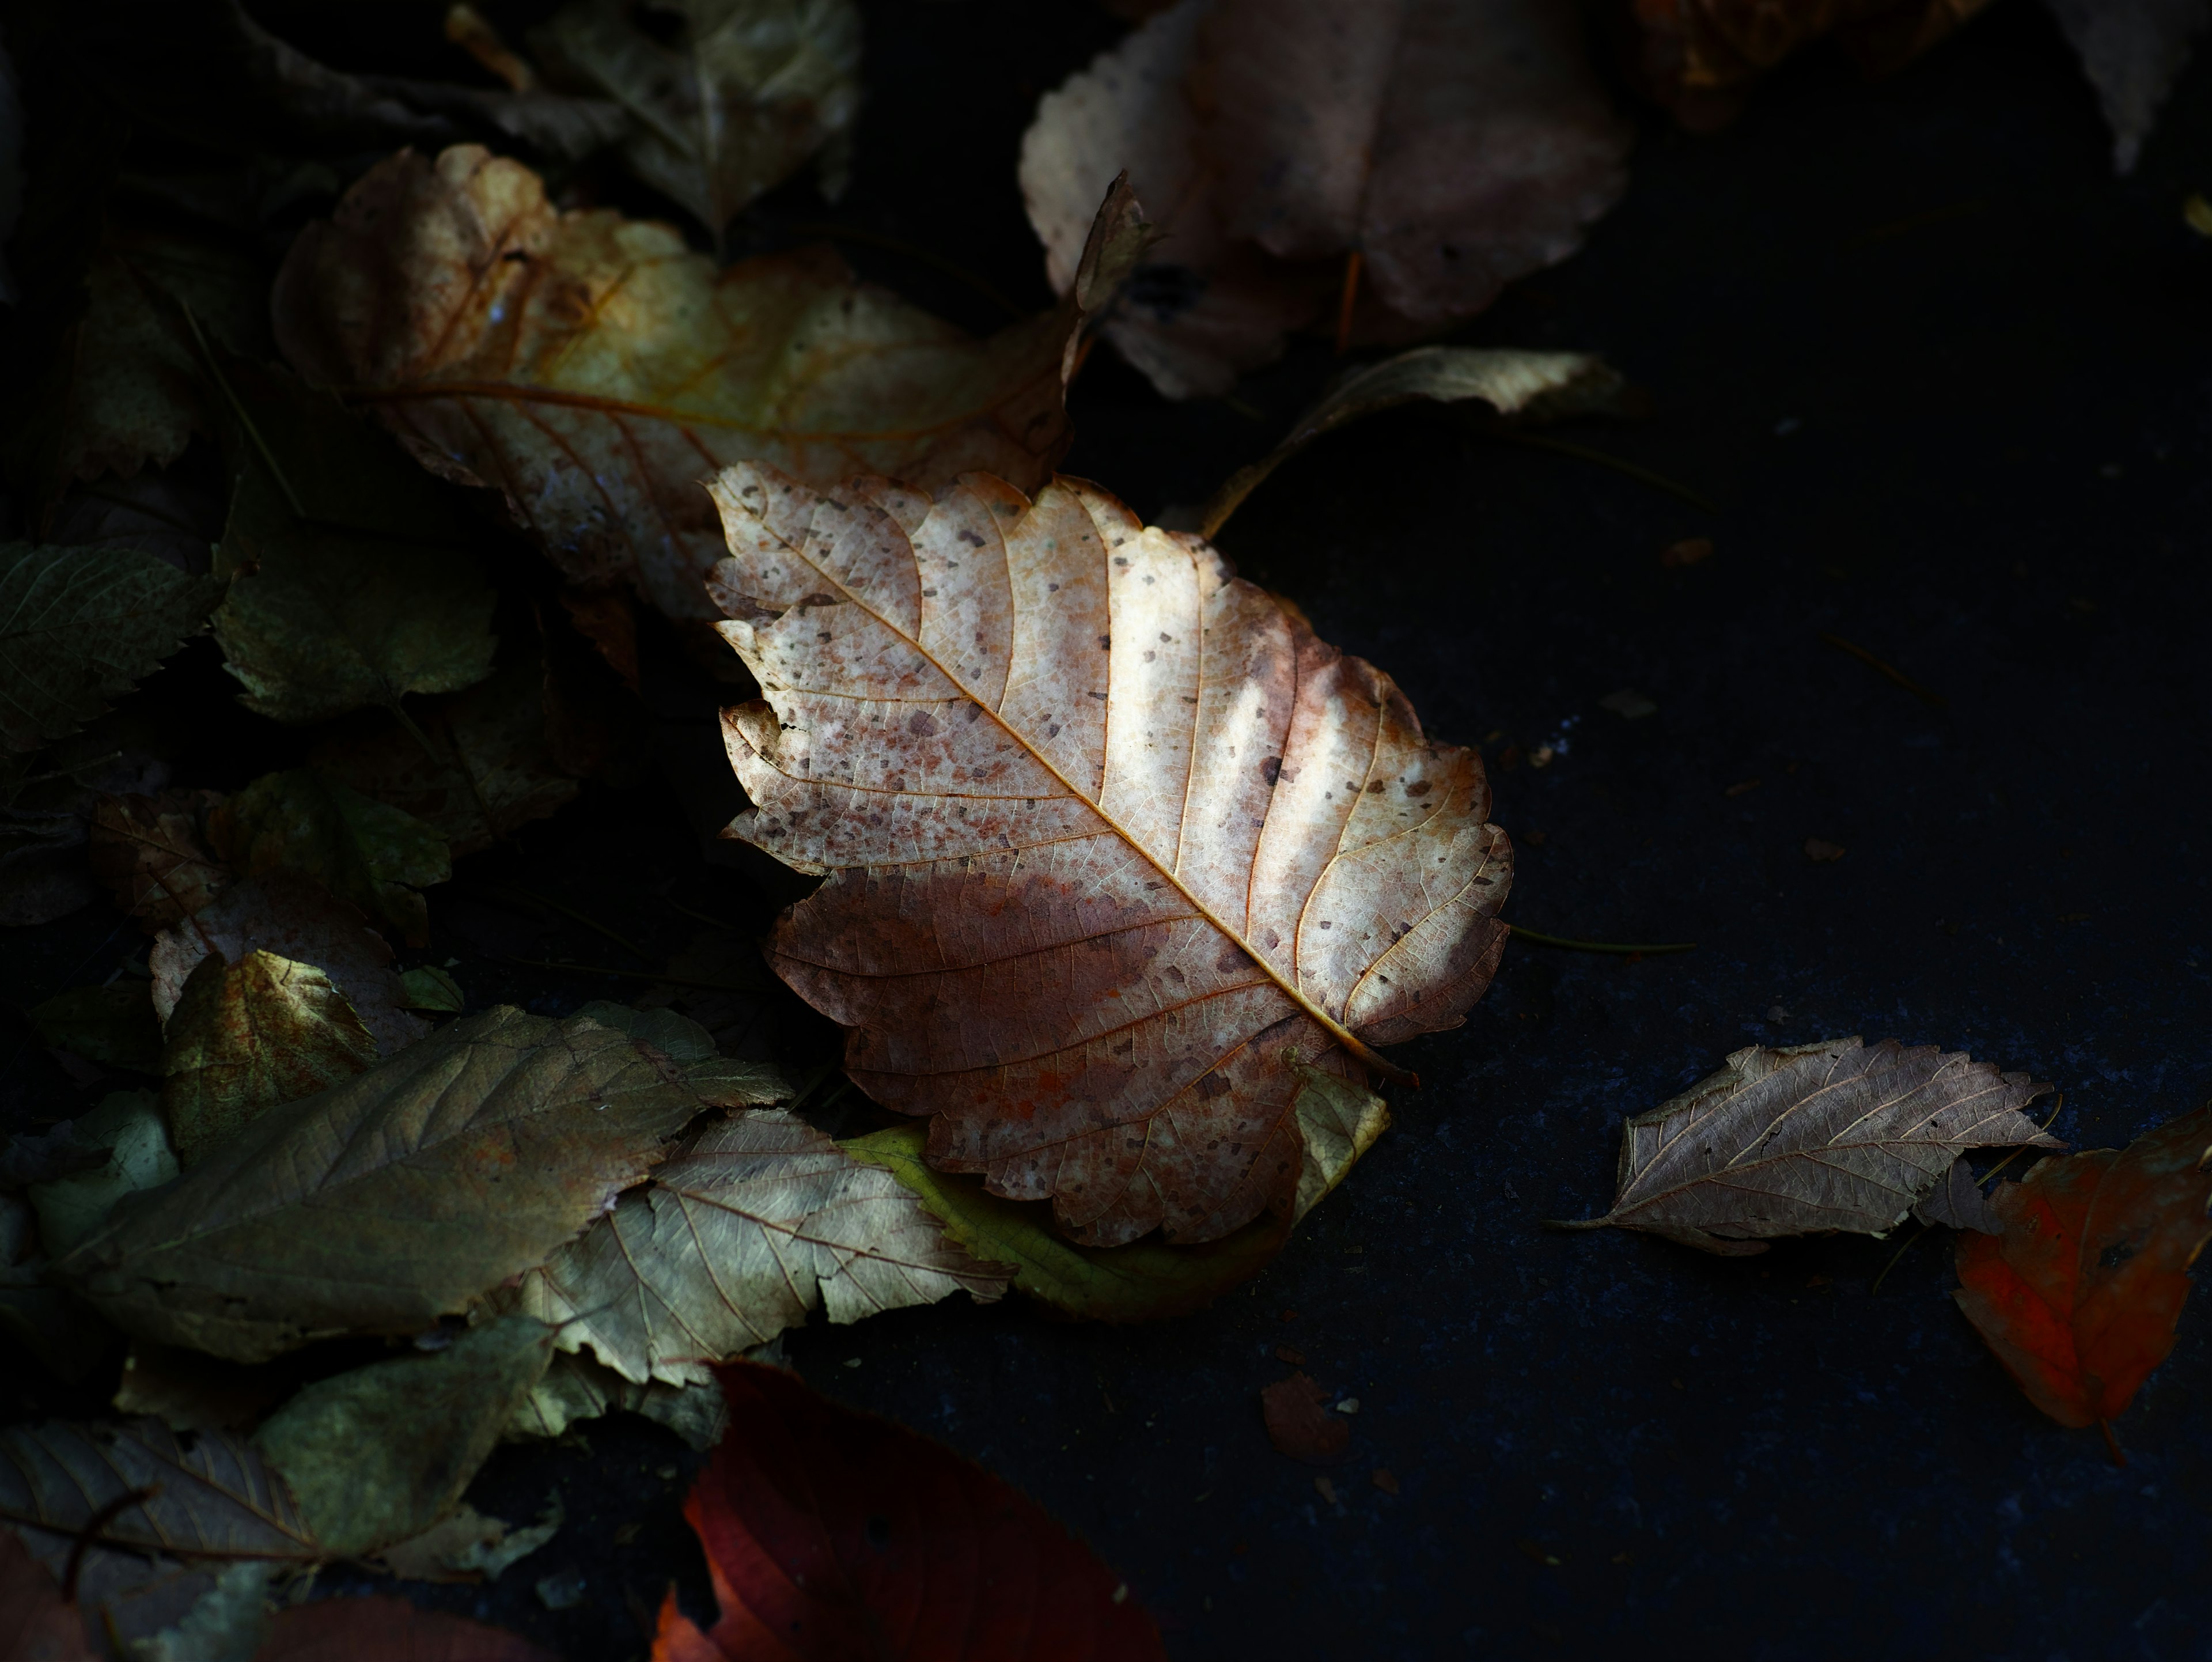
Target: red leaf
(2080, 1294)
(1299, 1426)
(832, 1534)
(388, 1630)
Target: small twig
(1657, 481)
(703, 917)
(1542, 940)
(1347, 301)
(1902, 1250)
(2112, 1443)
(1890, 670)
(87, 1536)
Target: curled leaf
(401, 1196)
(1836, 1135)
(1115, 841)
(593, 369)
(755, 1221)
(2079, 1292)
(361, 850)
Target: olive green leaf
(380, 1453)
(129, 1125)
(247, 1037)
(429, 988)
(351, 584)
(153, 852)
(1141, 1281)
(79, 625)
(400, 1196)
(722, 1081)
(191, 1508)
(115, 1025)
(362, 850)
(757, 1220)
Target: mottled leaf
(1115, 844)
(825, 1529)
(362, 850)
(79, 626)
(247, 1037)
(397, 1197)
(593, 368)
(1830, 1136)
(2080, 1293)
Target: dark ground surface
(1949, 384)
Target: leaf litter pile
(433, 411)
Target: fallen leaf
(1098, 1007)
(248, 1037)
(351, 584)
(488, 754)
(203, 1504)
(295, 919)
(824, 1529)
(757, 1220)
(1814, 1137)
(114, 1024)
(1384, 1479)
(129, 1128)
(152, 851)
(188, 1392)
(1818, 849)
(593, 369)
(1538, 385)
(42, 1628)
(399, 1197)
(729, 97)
(467, 1546)
(378, 1454)
(429, 988)
(362, 850)
(2133, 52)
(1326, 1489)
(1455, 144)
(1299, 1423)
(380, 1629)
(1957, 1203)
(2080, 1294)
(577, 1388)
(79, 626)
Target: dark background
(1947, 381)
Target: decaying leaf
(1299, 1423)
(1455, 144)
(757, 1220)
(2133, 52)
(1144, 1281)
(397, 1197)
(738, 100)
(202, 1504)
(837, 1526)
(153, 852)
(362, 850)
(488, 754)
(378, 1454)
(129, 1128)
(79, 626)
(247, 1037)
(1957, 1203)
(1114, 840)
(114, 1024)
(1538, 385)
(467, 1546)
(293, 919)
(2080, 1293)
(1835, 1135)
(351, 584)
(377, 1629)
(593, 369)
(576, 1388)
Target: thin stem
(1894, 1257)
(1890, 670)
(1657, 481)
(2112, 1443)
(1623, 948)
(238, 409)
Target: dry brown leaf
(594, 370)
(396, 1198)
(153, 852)
(1455, 144)
(1836, 1135)
(1115, 843)
(755, 1221)
(295, 919)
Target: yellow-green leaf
(362, 850)
(248, 1037)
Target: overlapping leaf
(362, 850)
(593, 369)
(2080, 1292)
(824, 1530)
(755, 1221)
(1117, 847)
(1836, 1135)
(153, 852)
(400, 1196)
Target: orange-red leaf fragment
(831, 1534)
(1299, 1423)
(2080, 1294)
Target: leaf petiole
(1625, 949)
